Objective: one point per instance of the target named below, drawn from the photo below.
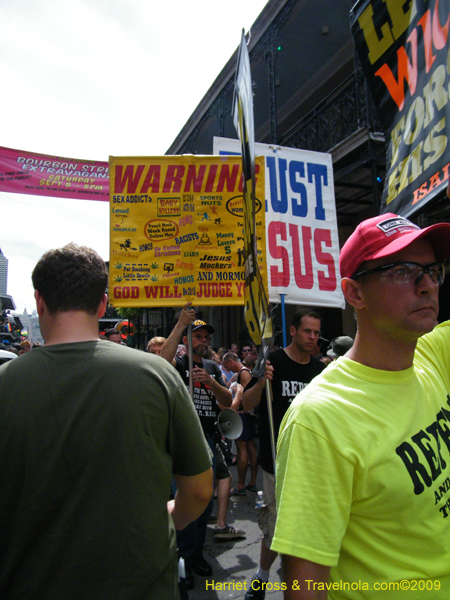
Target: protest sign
(176, 230)
(301, 224)
(403, 48)
(257, 310)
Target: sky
(90, 79)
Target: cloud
(92, 78)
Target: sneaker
(212, 519)
(228, 533)
(237, 491)
(256, 590)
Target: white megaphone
(229, 424)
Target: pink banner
(44, 175)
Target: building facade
(309, 92)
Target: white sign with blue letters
(302, 244)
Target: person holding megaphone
(210, 395)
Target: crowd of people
(11, 351)
(111, 457)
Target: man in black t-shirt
(209, 386)
(290, 369)
(210, 395)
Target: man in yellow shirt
(363, 463)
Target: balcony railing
(336, 118)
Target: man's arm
(169, 348)
(221, 393)
(191, 498)
(252, 396)
(237, 397)
(300, 575)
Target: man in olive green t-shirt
(92, 434)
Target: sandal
(251, 488)
(237, 491)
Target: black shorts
(222, 470)
(249, 427)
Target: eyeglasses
(402, 273)
(199, 336)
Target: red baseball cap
(387, 234)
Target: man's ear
(353, 293)
(102, 306)
(40, 304)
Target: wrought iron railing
(336, 118)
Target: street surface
(235, 562)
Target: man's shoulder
(39, 360)
(210, 366)
(105, 348)
(280, 358)
(440, 334)
(92, 352)
(8, 366)
(434, 346)
(277, 355)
